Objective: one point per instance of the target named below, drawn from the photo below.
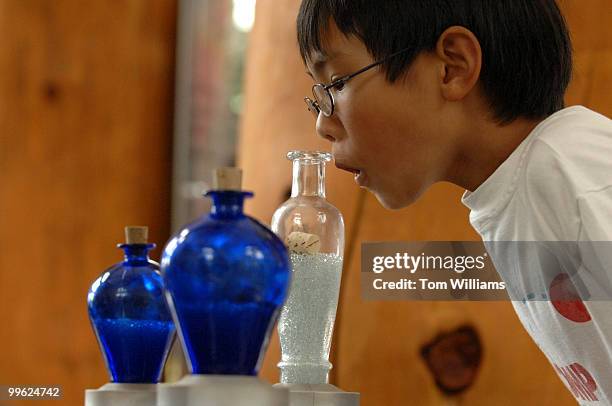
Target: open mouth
(357, 173)
(343, 167)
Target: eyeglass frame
(314, 106)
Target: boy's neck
(485, 148)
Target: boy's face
(392, 136)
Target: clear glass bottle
(226, 277)
(313, 229)
(129, 314)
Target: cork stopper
(136, 234)
(227, 178)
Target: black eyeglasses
(324, 100)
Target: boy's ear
(460, 52)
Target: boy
(412, 92)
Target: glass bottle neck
(136, 253)
(227, 203)
(308, 178)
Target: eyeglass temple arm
(365, 68)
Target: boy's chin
(392, 202)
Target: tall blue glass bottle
(130, 315)
(226, 277)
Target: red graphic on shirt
(566, 300)
(579, 380)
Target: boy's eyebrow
(319, 60)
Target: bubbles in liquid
(307, 320)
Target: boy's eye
(339, 85)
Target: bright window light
(244, 14)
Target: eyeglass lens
(323, 98)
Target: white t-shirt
(555, 193)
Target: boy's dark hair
(526, 48)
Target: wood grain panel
(377, 344)
(588, 21)
(85, 137)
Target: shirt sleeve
(595, 236)
(595, 210)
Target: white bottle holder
(319, 395)
(221, 390)
(122, 394)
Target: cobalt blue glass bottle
(130, 315)
(226, 277)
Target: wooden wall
(377, 344)
(86, 99)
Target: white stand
(122, 394)
(221, 390)
(319, 395)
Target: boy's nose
(328, 128)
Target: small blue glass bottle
(226, 277)
(130, 315)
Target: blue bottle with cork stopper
(132, 322)
(226, 277)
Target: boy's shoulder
(576, 129)
(571, 149)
